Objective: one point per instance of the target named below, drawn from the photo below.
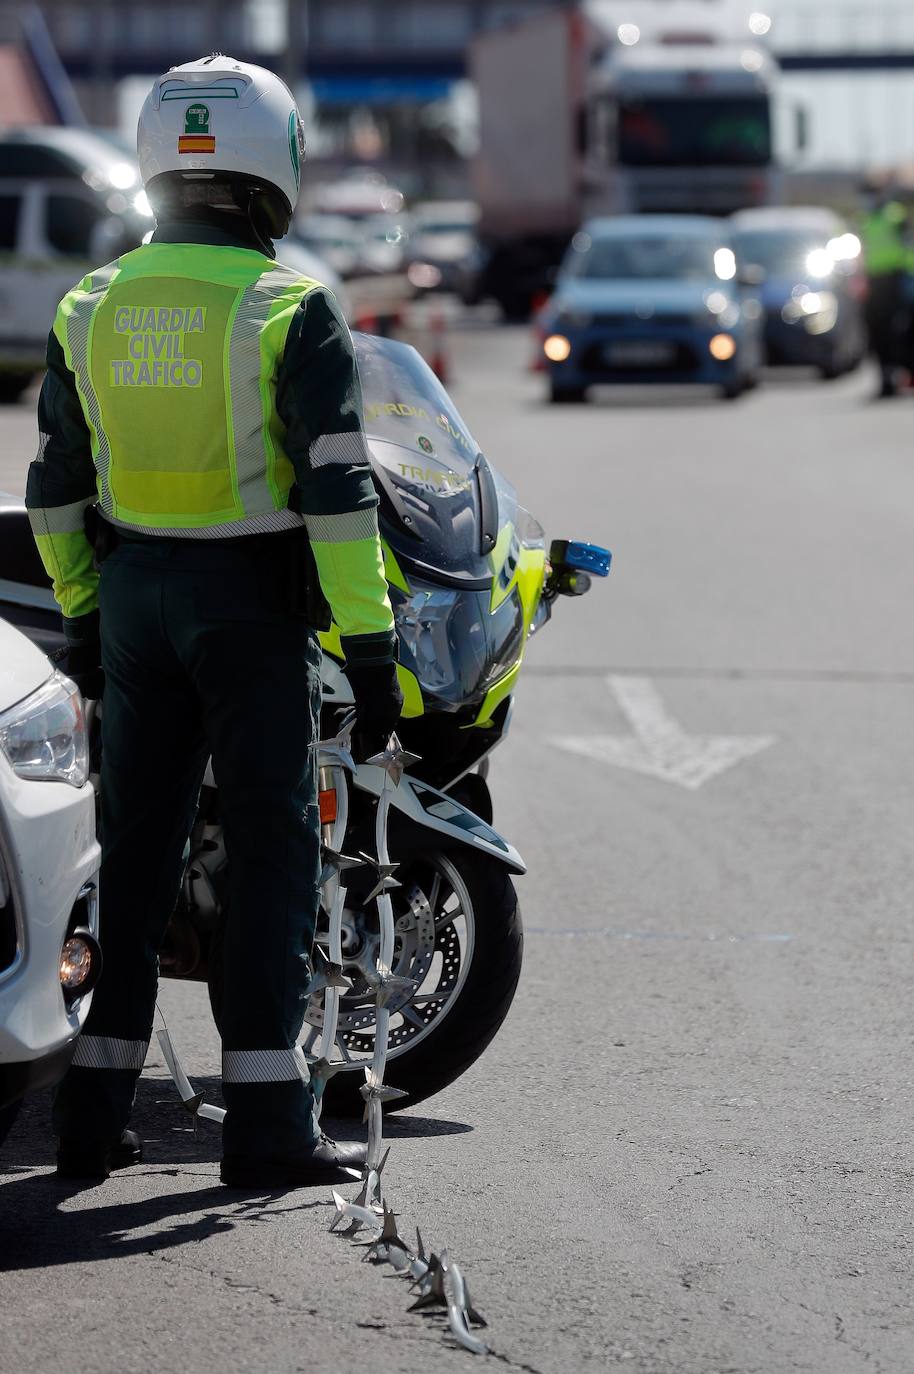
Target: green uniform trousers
(201, 659)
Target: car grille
(625, 321)
(593, 360)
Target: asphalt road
(688, 1151)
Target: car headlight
(816, 311)
(44, 737)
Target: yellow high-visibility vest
(175, 350)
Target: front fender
(430, 809)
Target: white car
(49, 860)
(69, 200)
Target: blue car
(812, 285)
(650, 298)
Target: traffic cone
(366, 321)
(438, 352)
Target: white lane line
(658, 746)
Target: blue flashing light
(588, 558)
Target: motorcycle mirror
(488, 505)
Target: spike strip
(373, 1091)
(335, 894)
(193, 1101)
(459, 1307)
(439, 1280)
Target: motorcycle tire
(462, 1032)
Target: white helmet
(220, 116)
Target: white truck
(575, 122)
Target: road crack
(237, 1285)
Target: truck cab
(681, 128)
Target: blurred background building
(385, 80)
(457, 145)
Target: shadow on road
(648, 397)
(38, 1230)
(36, 1234)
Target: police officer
(202, 404)
(889, 261)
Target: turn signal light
(327, 802)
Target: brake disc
(414, 950)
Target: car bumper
(29, 1075)
(682, 357)
(49, 861)
(790, 345)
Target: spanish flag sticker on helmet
(196, 137)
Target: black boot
(95, 1159)
(889, 384)
(325, 1162)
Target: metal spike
(326, 975)
(393, 759)
(384, 869)
(457, 1304)
(339, 747)
(381, 1093)
(364, 1216)
(391, 985)
(321, 1071)
(431, 1287)
(385, 885)
(370, 1191)
(336, 863)
(380, 1248)
(389, 1232)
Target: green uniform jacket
(886, 244)
(317, 394)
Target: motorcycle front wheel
(459, 941)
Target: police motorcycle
(470, 582)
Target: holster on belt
(306, 597)
(101, 534)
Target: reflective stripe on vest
(175, 350)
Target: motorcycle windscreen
(432, 478)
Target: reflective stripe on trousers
(264, 1066)
(106, 1052)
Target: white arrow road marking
(659, 747)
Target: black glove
(82, 659)
(378, 702)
